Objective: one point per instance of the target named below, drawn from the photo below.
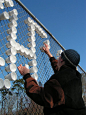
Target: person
(62, 93)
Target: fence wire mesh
(14, 101)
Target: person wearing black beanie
(71, 57)
(62, 93)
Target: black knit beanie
(71, 56)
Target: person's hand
(23, 70)
(46, 50)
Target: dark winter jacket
(61, 94)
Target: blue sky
(65, 19)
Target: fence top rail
(28, 11)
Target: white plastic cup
(11, 43)
(11, 36)
(33, 69)
(46, 42)
(14, 11)
(2, 61)
(31, 38)
(37, 30)
(11, 76)
(31, 54)
(1, 83)
(27, 66)
(11, 59)
(12, 23)
(22, 50)
(26, 52)
(4, 16)
(32, 63)
(28, 20)
(11, 51)
(31, 44)
(13, 17)
(2, 1)
(17, 47)
(12, 30)
(41, 48)
(1, 5)
(7, 84)
(44, 35)
(32, 57)
(11, 68)
(31, 33)
(8, 3)
(33, 49)
(59, 52)
(35, 76)
(31, 27)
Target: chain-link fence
(21, 36)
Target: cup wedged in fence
(31, 38)
(33, 49)
(17, 47)
(59, 52)
(35, 76)
(1, 5)
(2, 61)
(4, 16)
(33, 69)
(13, 17)
(14, 11)
(8, 3)
(27, 66)
(11, 76)
(31, 28)
(11, 68)
(11, 59)
(11, 51)
(2, 1)
(11, 43)
(13, 23)
(1, 83)
(46, 42)
(11, 36)
(22, 50)
(12, 30)
(26, 52)
(7, 84)
(32, 63)
(31, 44)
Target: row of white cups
(7, 3)
(11, 60)
(14, 47)
(31, 45)
(38, 29)
(12, 17)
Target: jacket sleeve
(54, 64)
(49, 96)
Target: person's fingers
(43, 48)
(45, 45)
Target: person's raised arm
(52, 59)
(42, 95)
